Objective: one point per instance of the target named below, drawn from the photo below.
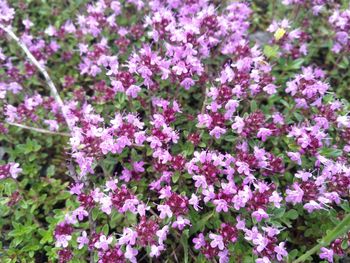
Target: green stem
(339, 230)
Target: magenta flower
(103, 242)
(82, 240)
(217, 241)
(327, 254)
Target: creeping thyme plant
(174, 130)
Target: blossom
(128, 237)
(15, 169)
(156, 250)
(263, 260)
(260, 214)
(295, 156)
(238, 124)
(281, 251)
(62, 240)
(162, 234)
(133, 91)
(295, 196)
(303, 175)
(199, 241)
(6, 13)
(312, 205)
(131, 253)
(103, 242)
(181, 223)
(221, 205)
(194, 201)
(263, 133)
(217, 241)
(82, 240)
(327, 254)
(165, 211)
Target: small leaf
(292, 214)
(94, 213)
(184, 242)
(271, 51)
(253, 106)
(331, 152)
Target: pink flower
(276, 199)
(81, 213)
(156, 250)
(128, 237)
(165, 211)
(6, 13)
(261, 242)
(111, 185)
(312, 205)
(76, 189)
(295, 196)
(103, 242)
(270, 89)
(62, 240)
(221, 205)
(238, 125)
(181, 223)
(263, 133)
(194, 201)
(14, 170)
(115, 6)
(162, 234)
(263, 260)
(295, 157)
(224, 256)
(133, 91)
(260, 215)
(82, 240)
(199, 241)
(327, 254)
(303, 175)
(217, 241)
(131, 254)
(243, 168)
(209, 194)
(217, 132)
(53, 125)
(280, 251)
(27, 23)
(187, 83)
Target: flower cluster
(9, 170)
(185, 134)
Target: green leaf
(295, 64)
(292, 214)
(279, 212)
(95, 213)
(175, 177)
(253, 106)
(184, 242)
(271, 51)
(331, 152)
(188, 149)
(230, 138)
(340, 229)
(199, 225)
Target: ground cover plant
(174, 131)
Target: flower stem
(339, 230)
(43, 71)
(37, 129)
